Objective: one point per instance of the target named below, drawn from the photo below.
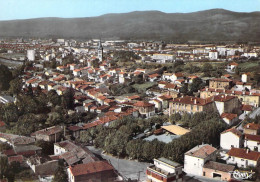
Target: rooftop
(219, 166)
(90, 168)
(244, 154)
(201, 151)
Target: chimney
(247, 150)
(195, 101)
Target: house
(229, 118)
(94, 171)
(241, 86)
(243, 157)
(232, 66)
(252, 142)
(165, 100)
(195, 159)
(227, 104)
(164, 170)
(145, 109)
(218, 170)
(246, 109)
(42, 165)
(190, 104)
(72, 153)
(51, 134)
(247, 98)
(157, 104)
(231, 138)
(176, 76)
(245, 77)
(219, 83)
(75, 131)
(252, 129)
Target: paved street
(127, 168)
(255, 113)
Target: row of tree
(118, 138)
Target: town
(120, 110)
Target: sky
(26, 9)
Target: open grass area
(249, 66)
(144, 86)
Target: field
(143, 87)
(250, 66)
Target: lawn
(249, 66)
(144, 86)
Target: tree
(5, 77)
(9, 112)
(60, 174)
(184, 89)
(54, 118)
(206, 67)
(67, 99)
(175, 117)
(3, 166)
(15, 86)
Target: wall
(209, 173)
(228, 139)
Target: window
(204, 173)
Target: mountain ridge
(214, 24)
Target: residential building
(231, 138)
(227, 104)
(51, 134)
(247, 98)
(216, 170)
(195, 159)
(243, 157)
(145, 109)
(190, 104)
(164, 170)
(229, 118)
(252, 129)
(94, 171)
(219, 83)
(252, 142)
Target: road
(127, 168)
(252, 115)
(255, 113)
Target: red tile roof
(229, 116)
(223, 98)
(221, 80)
(252, 137)
(234, 131)
(219, 166)
(247, 108)
(201, 151)
(242, 153)
(17, 158)
(90, 168)
(143, 104)
(252, 126)
(192, 100)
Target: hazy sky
(24, 9)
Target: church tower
(100, 51)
